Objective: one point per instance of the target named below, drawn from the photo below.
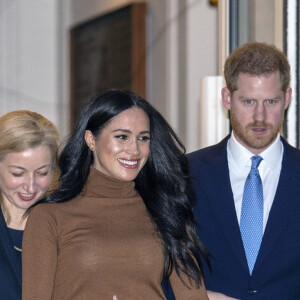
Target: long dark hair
(163, 183)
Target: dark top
(276, 274)
(10, 262)
(16, 239)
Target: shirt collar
(241, 156)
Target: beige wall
(34, 56)
(28, 57)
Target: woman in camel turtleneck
(121, 220)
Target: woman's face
(25, 177)
(122, 148)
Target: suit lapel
(285, 202)
(223, 203)
(9, 252)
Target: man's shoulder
(201, 153)
(209, 153)
(290, 151)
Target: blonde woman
(28, 161)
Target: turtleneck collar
(104, 186)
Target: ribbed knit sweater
(99, 244)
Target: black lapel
(286, 200)
(221, 199)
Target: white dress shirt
(239, 163)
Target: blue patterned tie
(251, 224)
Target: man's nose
(259, 113)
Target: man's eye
(271, 101)
(248, 101)
(17, 174)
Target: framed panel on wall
(108, 52)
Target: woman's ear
(89, 139)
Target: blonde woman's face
(25, 177)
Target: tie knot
(256, 161)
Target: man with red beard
(248, 185)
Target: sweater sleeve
(189, 292)
(39, 254)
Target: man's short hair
(256, 59)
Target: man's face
(256, 109)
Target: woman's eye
(121, 137)
(43, 173)
(144, 138)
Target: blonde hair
(23, 129)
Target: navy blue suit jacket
(276, 274)
(10, 266)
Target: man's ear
(89, 139)
(288, 97)
(226, 98)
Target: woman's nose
(133, 148)
(30, 185)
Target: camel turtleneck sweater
(101, 243)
